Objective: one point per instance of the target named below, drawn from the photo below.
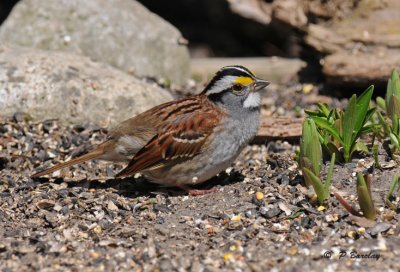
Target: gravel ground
(261, 218)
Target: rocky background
(345, 45)
(71, 69)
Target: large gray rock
(122, 33)
(71, 88)
(361, 69)
(373, 24)
(364, 48)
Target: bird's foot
(198, 192)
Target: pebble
(111, 206)
(270, 213)
(259, 196)
(332, 218)
(285, 180)
(379, 228)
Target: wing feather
(179, 139)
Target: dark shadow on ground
(136, 187)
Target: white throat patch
(252, 101)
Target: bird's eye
(237, 88)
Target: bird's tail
(96, 153)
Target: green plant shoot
(365, 196)
(345, 127)
(321, 189)
(393, 185)
(392, 98)
(310, 148)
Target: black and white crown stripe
(224, 78)
(244, 71)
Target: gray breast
(236, 134)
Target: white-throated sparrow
(188, 140)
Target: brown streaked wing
(147, 122)
(180, 138)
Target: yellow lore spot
(244, 80)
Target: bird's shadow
(136, 187)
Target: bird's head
(235, 86)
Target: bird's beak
(259, 84)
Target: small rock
(285, 180)
(236, 217)
(45, 204)
(258, 199)
(284, 208)
(52, 218)
(352, 234)
(161, 208)
(379, 228)
(270, 213)
(97, 229)
(94, 254)
(57, 207)
(111, 206)
(259, 196)
(252, 213)
(332, 217)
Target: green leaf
(381, 103)
(393, 185)
(321, 139)
(383, 123)
(313, 113)
(394, 106)
(394, 140)
(296, 214)
(395, 124)
(324, 109)
(354, 119)
(395, 83)
(359, 146)
(328, 181)
(362, 112)
(324, 124)
(392, 90)
(334, 150)
(369, 114)
(365, 198)
(310, 146)
(339, 127)
(397, 131)
(348, 126)
(305, 162)
(316, 183)
(389, 93)
(336, 114)
(375, 150)
(368, 129)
